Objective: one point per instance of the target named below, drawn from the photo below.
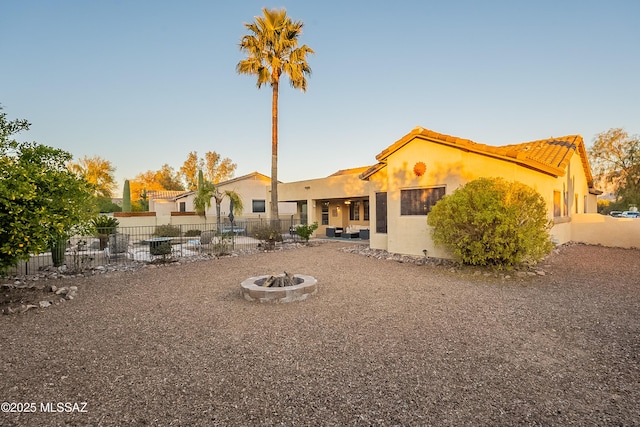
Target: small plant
(167, 230)
(269, 235)
(103, 226)
(192, 233)
(163, 249)
(306, 230)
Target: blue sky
(142, 83)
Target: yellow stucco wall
(605, 230)
(451, 167)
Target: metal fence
(153, 243)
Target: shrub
(192, 233)
(306, 230)
(269, 235)
(167, 230)
(490, 221)
(105, 224)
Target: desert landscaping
(382, 342)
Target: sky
(142, 83)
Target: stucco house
(416, 171)
(393, 197)
(253, 189)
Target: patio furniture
(364, 234)
(334, 231)
(351, 235)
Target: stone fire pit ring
(250, 291)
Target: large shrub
(490, 221)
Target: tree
(233, 198)
(272, 51)
(214, 167)
(490, 221)
(169, 179)
(165, 179)
(189, 170)
(218, 169)
(98, 172)
(41, 201)
(615, 159)
(206, 191)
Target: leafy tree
(169, 179)
(214, 167)
(165, 179)
(98, 172)
(615, 159)
(490, 221)
(218, 169)
(189, 170)
(41, 201)
(306, 230)
(272, 51)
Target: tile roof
(350, 171)
(164, 194)
(550, 156)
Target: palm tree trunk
(274, 152)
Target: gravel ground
(382, 343)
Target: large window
(365, 205)
(258, 206)
(354, 211)
(381, 212)
(419, 201)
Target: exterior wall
(452, 168)
(596, 229)
(335, 190)
(252, 188)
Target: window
(325, 213)
(419, 201)
(183, 206)
(365, 205)
(381, 212)
(354, 211)
(556, 204)
(576, 202)
(258, 206)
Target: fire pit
(281, 288)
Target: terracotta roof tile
(550, 156)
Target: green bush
(306, 230)
(167, 230)
(269, 235)
(492, 222)
(192, 233)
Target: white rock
(44, 304)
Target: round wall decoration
(419, 168)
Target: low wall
(596, 229)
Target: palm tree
(206, 190)
(272, 51)
(233, 197)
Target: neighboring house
(163, 202)
(253, 189)
(416, 171)
(339, 200)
